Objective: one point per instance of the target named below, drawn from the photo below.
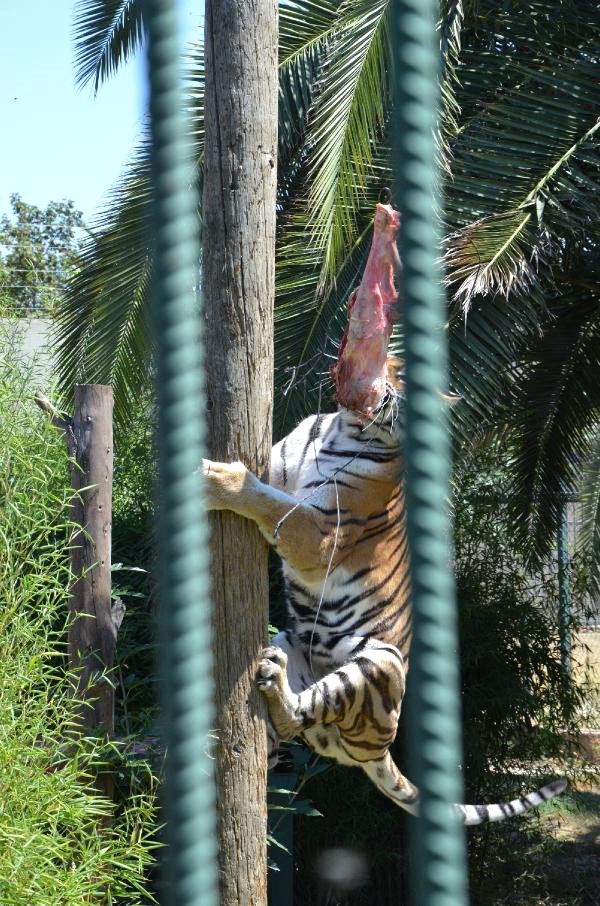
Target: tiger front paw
(223, 483)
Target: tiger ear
(450, 399)
(395, 370)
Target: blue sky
(60, 142)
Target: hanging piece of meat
(360, 372)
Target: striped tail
(389, 781)
(480, 814)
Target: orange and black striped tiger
(334, 511)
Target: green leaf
(107, 33)
(554, 414)
(102, 325)
(348, 120)
(533, 150)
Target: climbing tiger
(334, 511)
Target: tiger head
(390, 413)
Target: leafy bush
(516, 703)
(60, 841)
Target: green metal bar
(564, 594)
(438, 873)
(185, 643)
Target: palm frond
(107, 33)
(305, 28)
(347, 123)
(452, 14)
(496, 255)
(482, 350)
(555, 407)
(102, 325)
(525, 171)
(309, 318)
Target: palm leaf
(308, 328)
(102, 324)
(495, 255)
(482, 350)
(107, 33)
(452, 14)
(525, 171)
(310, 317)
(555, 407)
(348, 121)
(305, 27)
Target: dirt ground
(570, 857)
(560, 863)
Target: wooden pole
(94, 622)
(92, 629)
(238, 263)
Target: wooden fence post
(92, 630)
(93, 623)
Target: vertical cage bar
(185, 640)
(564, 594)
(438, 873)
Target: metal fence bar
(564, 594)
(186, 674)
(438, 873)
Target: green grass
(60, 841)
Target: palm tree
(518, 149)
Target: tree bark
(92, 631)
(238, 281)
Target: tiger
(334, 510)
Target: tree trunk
(238, 281)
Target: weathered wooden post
(93, 622)
(238, 265)
(92, 630)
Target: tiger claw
(270, 675)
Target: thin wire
(327, 574)
(345, 464)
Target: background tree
(39, 251)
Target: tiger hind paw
(271, 679)
(271, 674)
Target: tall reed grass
(61, 843)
